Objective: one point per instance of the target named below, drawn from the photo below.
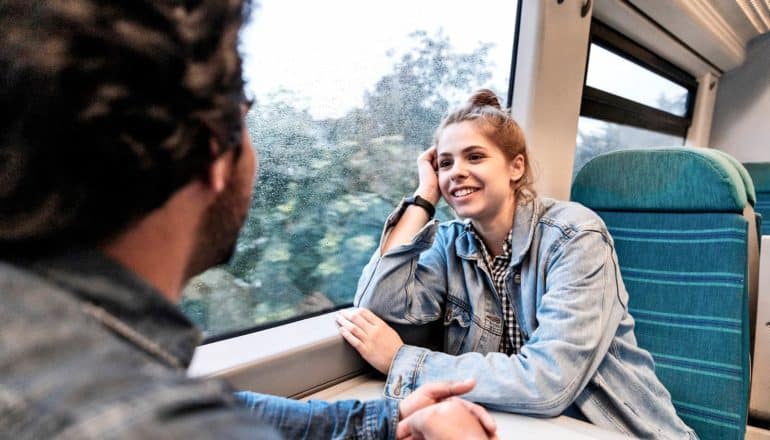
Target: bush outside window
(343, 108)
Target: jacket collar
(100, 281)
(524, 222)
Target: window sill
(276, 360)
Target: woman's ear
(517, 168)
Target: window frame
(605, 106)
(275, 360)
(274, 357)
(296, 321)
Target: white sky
(617, 75)
(328, 53)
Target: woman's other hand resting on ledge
(374, 340)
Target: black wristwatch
(422, 203)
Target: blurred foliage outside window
(326, 185)
(597, 137)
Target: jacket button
(397, 386)
(517, 278)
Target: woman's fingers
(438, 391)
(403, 430)
(352, 340)
(351, 327)
(486, 419)
(457, 388)
(362, 318)
(428, 155)
(369, 317)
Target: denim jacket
(568, 298)
(89, 350)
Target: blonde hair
(484, 109)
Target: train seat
(760, 175)
(759, 406)
(677, 218)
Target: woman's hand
(434, 411)
(371, 336)
(453, 418)
(427, 171)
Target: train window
(347, 95)
(632, 98)
(615, 74)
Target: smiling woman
(528, 288)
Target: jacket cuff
(381, 419)
(403, 377)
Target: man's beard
(219, 227)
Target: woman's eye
(475, 157)
(444, 163)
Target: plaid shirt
(498, 268)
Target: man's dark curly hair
(107, 108)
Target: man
(125, 169)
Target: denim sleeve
(294, 419)
(578, 317)
(407, 285)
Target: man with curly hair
(125, 169)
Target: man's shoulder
(27, 299)
(65, 374)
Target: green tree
(411, 99)
(325, 188)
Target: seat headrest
(751, 193)
(661, 179)
(760, 174)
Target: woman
(528, 288)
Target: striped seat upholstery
(676, 218)
(760, 175)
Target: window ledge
(276, 360)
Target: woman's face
(474, 175)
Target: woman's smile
(463, 192)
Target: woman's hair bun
(484, 97)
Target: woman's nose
(458, 171)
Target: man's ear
(219, 170)
(517, 168)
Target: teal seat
(677, 218)
(760, 175)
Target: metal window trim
(605, 106)
(515, 55)
(609, 107)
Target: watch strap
(422, 203)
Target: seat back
(759, 407)
(760, 175)
(755, 220)
(676, 216)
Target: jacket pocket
(457, 323)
